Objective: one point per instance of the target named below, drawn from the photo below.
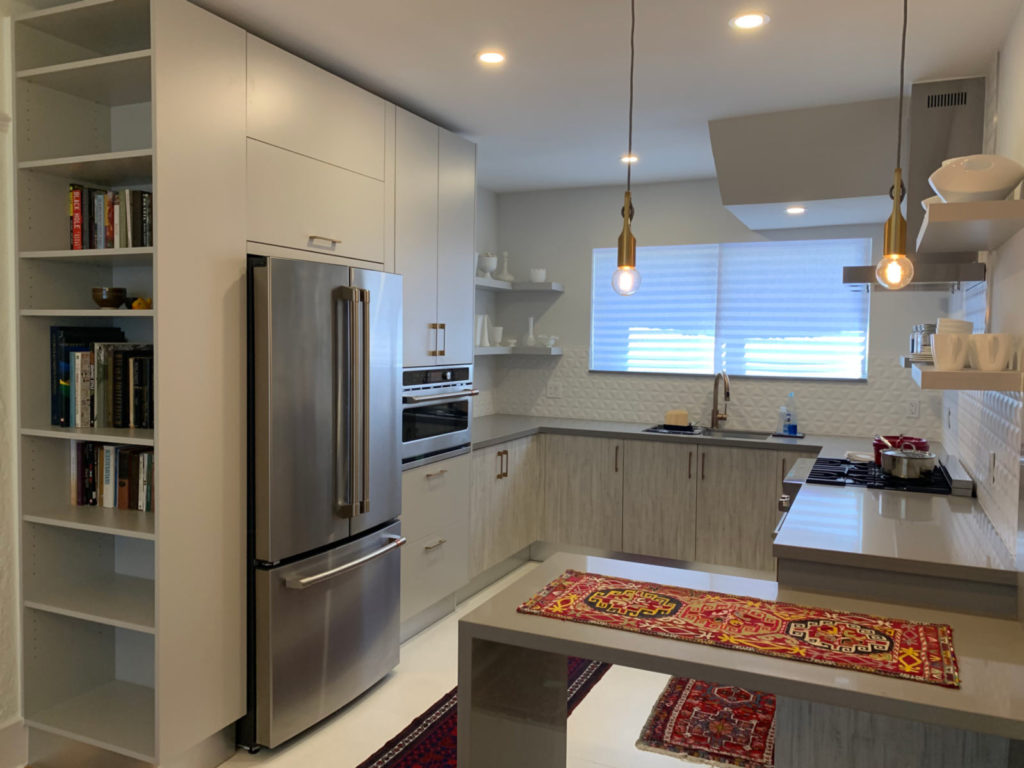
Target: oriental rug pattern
(431, 740)
(891, 647)
(718, 724)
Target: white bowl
(976, 177)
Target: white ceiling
(555, 114)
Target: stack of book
(112, 476)
(103, 218)
(97, 379)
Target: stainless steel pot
(907, 464)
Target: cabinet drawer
(432, 567)
(293, 104)
(435, 496)
(297, 202)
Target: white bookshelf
(125, 614)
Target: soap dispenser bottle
(791, 421)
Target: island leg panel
(512, 705)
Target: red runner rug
(718, 724)
(891, 647)
(431, 740)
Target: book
(109, 474)
(117, 219)
(63, 341)
(98, 233)
(90, 475)
(147, 219)
(73, 471)
(80, 395)
(75, 214)
(123, 471)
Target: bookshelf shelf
(105, 169)
(88, 312)
(105, 598)
(97, 257)
(124, 78)
(96, 434)
(114, 715)
(104, 27)
(129, 523)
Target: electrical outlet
(914, 409)
(554, 390)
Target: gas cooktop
(672, 429)
(870, 475)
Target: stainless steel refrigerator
(324, 381)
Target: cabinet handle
(439, 473)
(330, 240)
(444, 339)
(435, 545)
(616, 458)
(703, 458)
(505, 472)
(782, 468)
(435, 327)
(501, 465)
(689, 466)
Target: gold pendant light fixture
(895, 270)
(626, 280)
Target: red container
(899, 441)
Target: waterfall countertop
(917, 533)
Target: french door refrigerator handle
(348, 498)
(364, 459)
(394, 542)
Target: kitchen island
(512, 677)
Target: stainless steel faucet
(717, 417)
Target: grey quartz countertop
(990, 652)
(491, 430)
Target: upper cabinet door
(298, 106)
(456, 236)
(416, 236)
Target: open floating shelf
(123, 78)
(978, 226)
(490, 284)
(927, 377)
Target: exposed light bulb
(629, 158)
(625, 281)
(894, 271)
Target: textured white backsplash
(563, 387)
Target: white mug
(992, 351)
(496, 333)
(950, 350)
(538, 275)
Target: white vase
(530, 340)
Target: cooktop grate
(870, 475)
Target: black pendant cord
(632, 57)
(903, 59)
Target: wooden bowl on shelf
(109, 298)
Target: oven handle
(394, 542)
(443, 396)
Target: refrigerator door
(326, 630)
(381, 408)
(309, 468)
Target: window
(750, 309)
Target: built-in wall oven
(437, 410)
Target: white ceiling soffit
(818, 213)
(555, 114)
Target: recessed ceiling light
(629, 158)
(491, 57)
(748, 21)
(796, 210)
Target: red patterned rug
(718, 724)
(891, 647)
(431, 740)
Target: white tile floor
(602, 730)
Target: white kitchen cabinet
(297, 202)
(435, 521)
(737, 506)
(435, 203)
(583, 491)
(507, 486)
(659, 499)
(293, 104)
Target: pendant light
(895, 270)
(626, 280)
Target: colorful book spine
(75, 214)
(109, 476)
(108, 219)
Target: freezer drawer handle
(394, 542)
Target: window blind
(751, 309)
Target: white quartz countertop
(990, 651)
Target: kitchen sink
(735, 434)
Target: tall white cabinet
(435, 209)
(133, 622)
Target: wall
(985, 427)
(559, 229)
(10, 693)
(486, 242)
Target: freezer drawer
(326, 630)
